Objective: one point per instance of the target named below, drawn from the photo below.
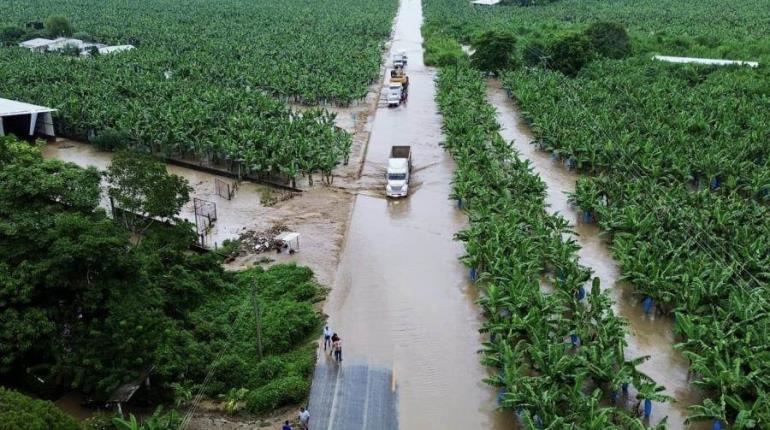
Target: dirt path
(401, 300)
(646, 335)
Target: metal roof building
(37, 44)
(485, 2)
(24, 119)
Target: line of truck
(400, 159)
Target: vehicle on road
(396, 94)
(399, 60)
(399, 171)
(398, 87)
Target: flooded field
(401, 299)
(319, 215)
(647, 335)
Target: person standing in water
(338, 350)
(327, 337)
(335, 338)
(304, 419)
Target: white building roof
(12, 107)
(63, 42)
(35, 43)
(113, 49)
(486, 2)
(710, 61)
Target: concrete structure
(708, 61)
(25, 120)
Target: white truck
(399, 171)
(399, 59)
(395, 94)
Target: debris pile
(253, 242)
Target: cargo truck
(399, 171)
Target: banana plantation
(681, 184)
(675, 170)
(559, 356)
(208, 80)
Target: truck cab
(395, 94)
(399, 61)
(399, 171)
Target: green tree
(535, 54)
(58, 26)
(140, 185)
(609, 39)
(494, 51)
(569, 54)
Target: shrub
(98, 422)
(285, 323)
(269, 368)
(19, 412)
(569, 54)
(281, 392)
(301, 362)
(230, 370)
(11, 34)
(110, 139)
(494, 51)
(441, 50)
(86, 37)
(609, 39)
(58, 26)
(534, 53)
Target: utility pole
(257, 315)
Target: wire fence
(225, 189)
(205, 215)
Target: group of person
(334, 343)
(303, 418)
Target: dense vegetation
(702, 28)
(18, 411)
(560, 356)
(203, 78)
(675, 157)
(85, 307)
(682, 184)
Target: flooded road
(647, 335)
(401, 299)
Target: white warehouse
(25, 120)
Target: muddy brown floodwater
(401, 298)
(646, 335)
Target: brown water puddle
(401, 297)
(646, 335)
